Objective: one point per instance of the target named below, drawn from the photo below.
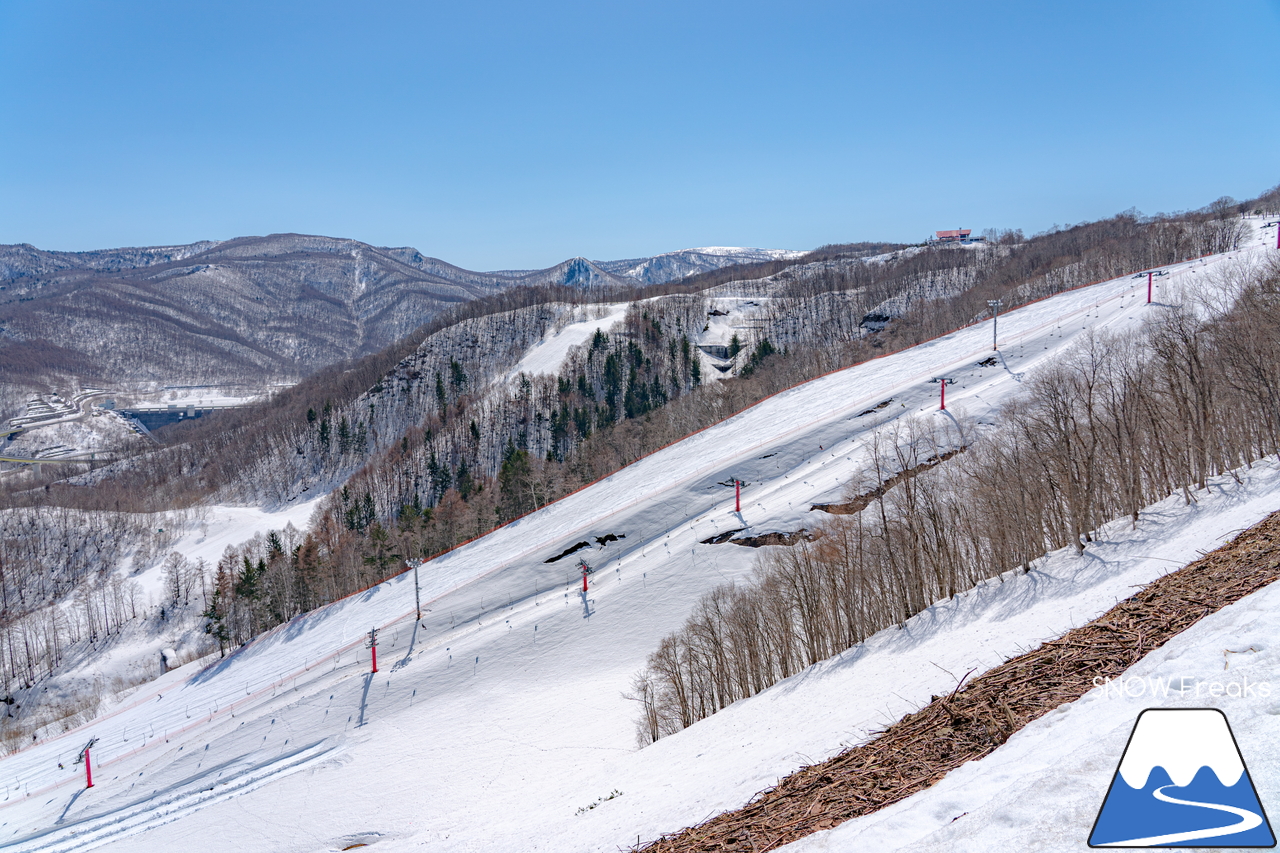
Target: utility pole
(586, 569)
(737, 495)
(88, 769)
(373, 646)
(994, 305)
(1150, 275)
(943, 380)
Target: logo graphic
(1181, 783)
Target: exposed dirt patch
(864, 500)
(920, 749)
(775, 539)
(721, 538)
(600, 540)
(877, 407)
(761, 540)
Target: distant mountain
(247, 310)
(251, 309)
(673, 265)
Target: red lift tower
(943, 380)
(88, 768)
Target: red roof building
(959, 235)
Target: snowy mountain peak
(740, 251)
(1181, 741)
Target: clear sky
(518, 134)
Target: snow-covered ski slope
(547, 356)
(499, 720)
(1043, 789)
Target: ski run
(499, 722)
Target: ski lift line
(218, 711)
(506, 564)
(755, 447)
(836, 412)
(758, 445)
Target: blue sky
(515, 134)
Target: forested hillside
(253, 310)
(439, 438)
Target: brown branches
(921, 748)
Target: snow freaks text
(1180, 686)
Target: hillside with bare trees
(438, 439)
(1124, 419)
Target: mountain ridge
(257, 309)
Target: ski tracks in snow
(112, 823)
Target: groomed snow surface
(499, 722)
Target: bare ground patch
(862, 501)
(775, 538)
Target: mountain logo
(1182, 783)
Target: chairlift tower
(943, 380)
(88, 768)
(417, 589)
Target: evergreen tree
(457, 379)
(466, 485)
(515, 483)
(441, 398)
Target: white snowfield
(499, 722)
(1043, 788)
(741, 250)
(547, 356)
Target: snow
(198, 397)
(78, 434)
(132, 657)
(1044, 787)
(222, 526)
(733, 251)
(499, 721)
(546, 356)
